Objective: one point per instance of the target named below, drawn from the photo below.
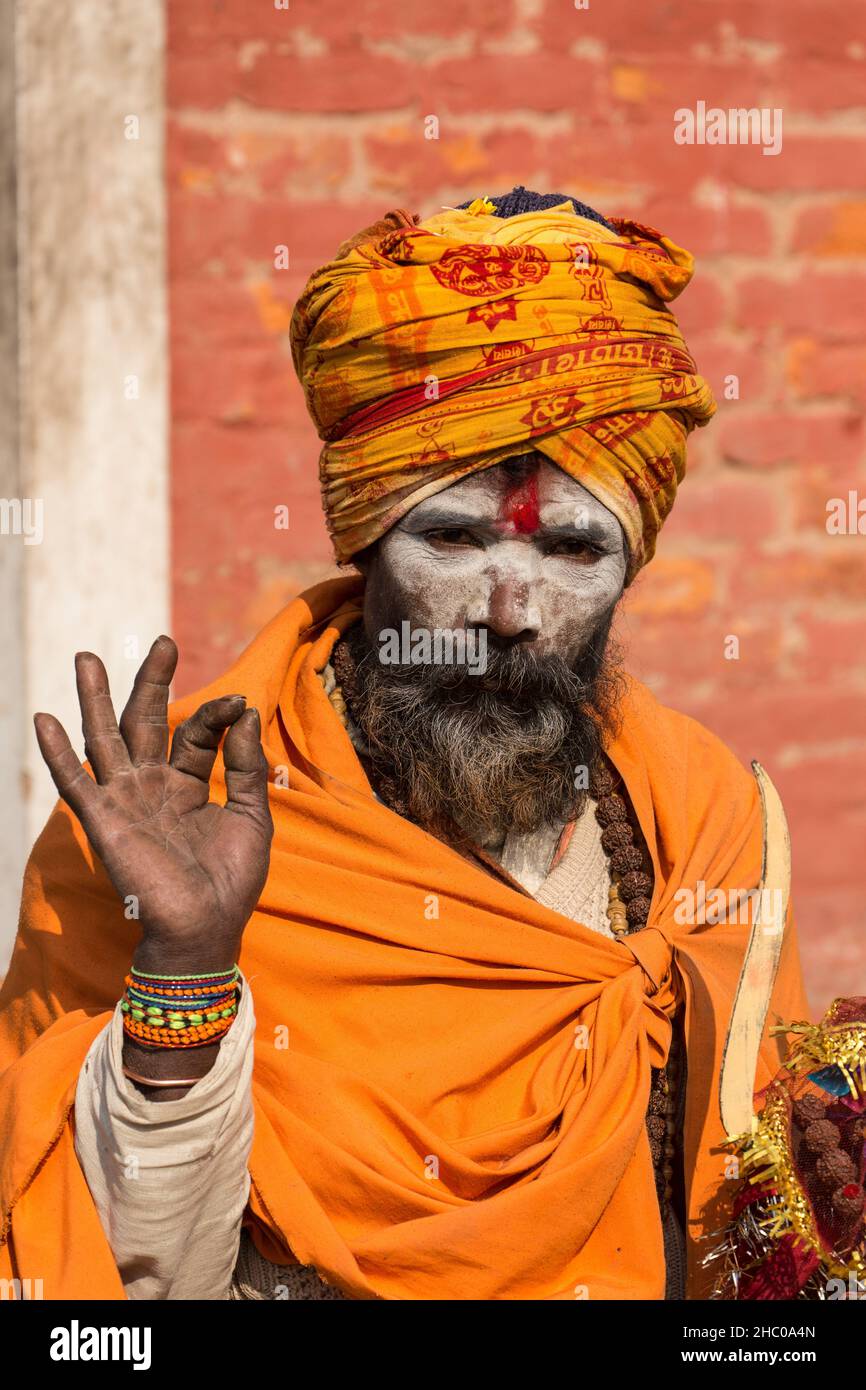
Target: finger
(247, 770)
(68, 773)
(104, 748)
(144, 724)
(196, 740)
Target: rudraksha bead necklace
(631, 884)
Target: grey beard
(484, 754)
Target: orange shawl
(460, 1110)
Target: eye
(449, 536)
(576, 550)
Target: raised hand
(195, 868)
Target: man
(476, 1050)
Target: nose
(509, 611)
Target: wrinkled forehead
(526, 493)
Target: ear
(363, 560)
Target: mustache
(513, 672)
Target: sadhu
(369, 972)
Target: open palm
(191, 870)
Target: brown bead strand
(631, 886)
(671, 1084)
(629, 905)
(661, 1123)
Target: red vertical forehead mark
(519, 509)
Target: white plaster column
(83, 377)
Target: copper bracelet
(146, 1080)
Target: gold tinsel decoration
(767, 1160)
(829, 1044)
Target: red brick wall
(297, 127)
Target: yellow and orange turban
(430, 352)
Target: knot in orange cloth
(430, 352)
(654, 954)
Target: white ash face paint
(543, 573)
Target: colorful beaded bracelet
(201, 984)
(181, 1001)
(218, 979)
(196, 1036)
(176, 1018)
(179, 1011)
